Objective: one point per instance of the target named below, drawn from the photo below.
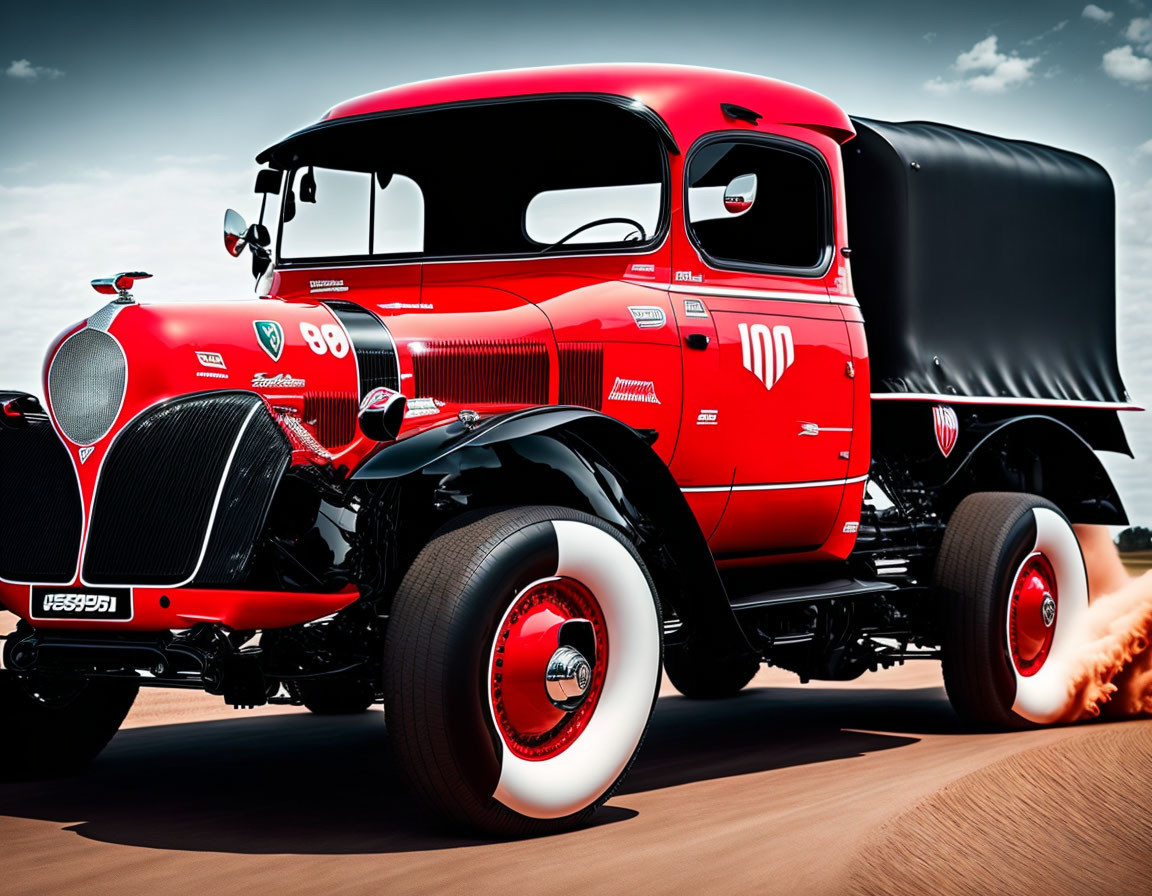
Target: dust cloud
(1112, 674)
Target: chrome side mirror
(740, 194)
(235, 233)
(713, 203)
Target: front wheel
(522, 664)
(56, 727)
(1012, 577)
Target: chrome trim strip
(740, 292)
(774, 486)
(1027, 402)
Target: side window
(759, 205)
(594, 214)
(398, 227)
(335, 222)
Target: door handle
(697, 341)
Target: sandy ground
(866, 787)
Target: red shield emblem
(947, 428)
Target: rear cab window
(760, 204)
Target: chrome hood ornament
(119, 285)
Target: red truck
(558, 375)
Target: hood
(126, 358)
(312, 362)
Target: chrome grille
(86, 385)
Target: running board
(831, 590)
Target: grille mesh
(40, 511)
(86, 385)
(159, 485)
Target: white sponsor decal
(643, 269)
(326, 338)
(211, 359)
(707, 417)
(327, 286)
(423, 407)
(279, 381)
(647, 317)
(849, 528)
(79, 603)
(695, 308)
(85, 453)
(211, 375)
(689, 277)
(643, 391)
(417, 306)
(767, 351)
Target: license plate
(114, 604)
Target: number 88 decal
(328, 338)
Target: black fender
(1042, 456)
(577, 458)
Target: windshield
(502, 179)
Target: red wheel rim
(530, 724)
(1032, 611)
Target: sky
(129, 126)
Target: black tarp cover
(984, 267)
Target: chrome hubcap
(567, 678)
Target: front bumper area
(170, 609)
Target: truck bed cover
(985, 267)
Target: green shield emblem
(271, 337)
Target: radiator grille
(158, 491)
(332, 417)
(40, 509)
(475, 371)
(582, 374)
(86, 385)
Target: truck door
(777, 414)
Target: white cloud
(1055, 29)
(24, 70)
(983, 56)
(1145, 148)
(986, 70)
(1126, 67)
(1094, 13)
(1139, 30)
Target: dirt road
(867, 787)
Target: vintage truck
(557, 375)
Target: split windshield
(502, 179)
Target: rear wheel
(55, 727)
(1012, 577)
(522, 664)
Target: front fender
(577, 458)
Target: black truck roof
(985, 267)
